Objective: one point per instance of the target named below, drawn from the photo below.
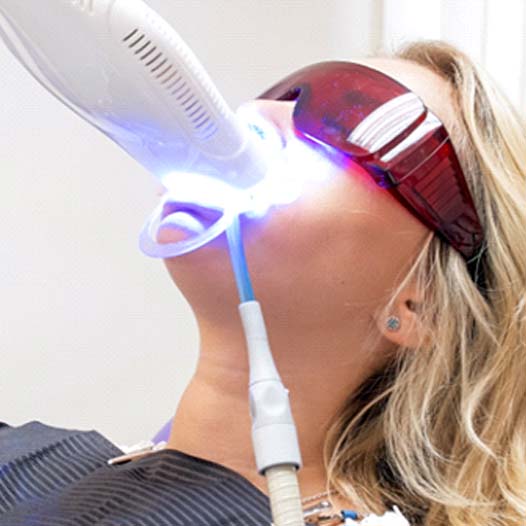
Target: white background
(93, 334)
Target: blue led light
(292, 170)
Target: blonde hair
(441, 431)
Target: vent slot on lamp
(170, 79)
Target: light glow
(292, 170)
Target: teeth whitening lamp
(121, 67)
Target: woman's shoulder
(54, 475)
(37, 439)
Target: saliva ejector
(121, 67)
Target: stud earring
(393, 323)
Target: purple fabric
(163, 433)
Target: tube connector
(274, 434)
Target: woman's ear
(402, 324)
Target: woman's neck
(319, 368)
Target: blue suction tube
(239, 261)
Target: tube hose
(285, 498)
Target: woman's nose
(270, 118)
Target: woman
(405, 364)
(430, 416)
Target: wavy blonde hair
(441, 431)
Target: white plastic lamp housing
(121, 67)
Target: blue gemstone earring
(393, 323)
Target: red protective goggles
(388, 130)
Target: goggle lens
(363, 113)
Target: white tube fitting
(274, 434)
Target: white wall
(492, 32)
(94, 334)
